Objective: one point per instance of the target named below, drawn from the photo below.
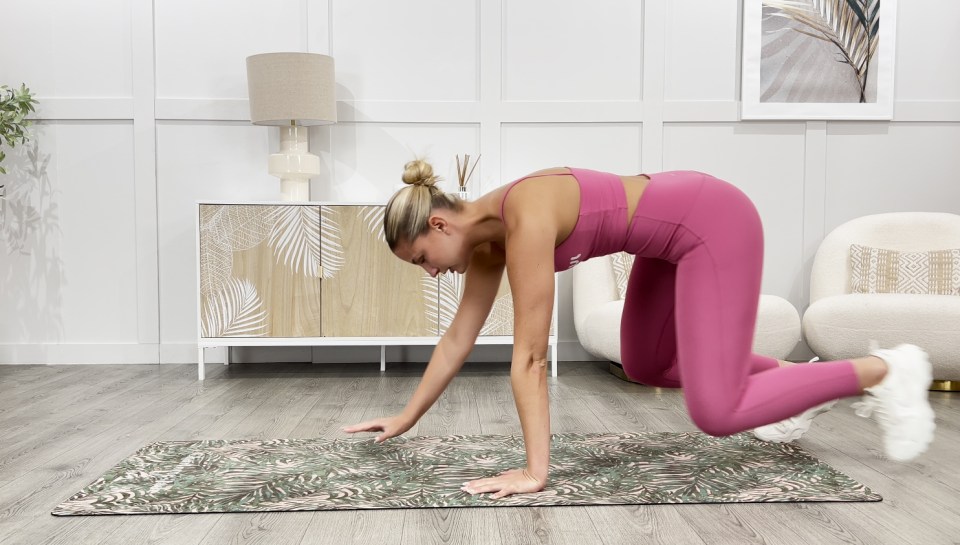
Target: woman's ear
(438, 223)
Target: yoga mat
(419, 472)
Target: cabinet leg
(554, 362)
(226, 359)
(200, 363)
(383, 358)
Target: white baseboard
(80, 353)
(187, 353)
(573, 351)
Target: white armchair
(599, 286)
(839, 324)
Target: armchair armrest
(593, 285)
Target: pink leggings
(691, 309)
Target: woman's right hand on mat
(391, 426)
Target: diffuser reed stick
(462, 173)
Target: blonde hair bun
(419, 172)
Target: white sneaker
(900, 403)
(792, 428)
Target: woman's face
(441, 249)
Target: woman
(688, 318)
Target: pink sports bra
(601, 227)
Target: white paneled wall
(529, 146)
(201, 47)
(68, 271)
(397, 51)
(874, 168)
(368, 157)
(572, 50)
(68, 49)
(143, 111)
(702, 51)
(928, 74)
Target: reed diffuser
(463, 176)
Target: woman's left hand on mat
(391, 426)
(514, 481)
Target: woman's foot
(792, 428)
(899, 402)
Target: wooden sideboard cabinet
(321, 274)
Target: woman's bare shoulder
(549, 171)
(544, 199)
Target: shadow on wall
(31, 269)
(337, 147)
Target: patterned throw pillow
(622, 265)
(875, 270)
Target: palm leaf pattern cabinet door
(260, 270)
(372, 293)
(499, 321)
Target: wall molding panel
(477, 78)
(84, 109)
(673, 111)
(145, 176)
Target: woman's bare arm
(531, 237)
(530, 269)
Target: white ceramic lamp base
(294, 190)
(294, 165)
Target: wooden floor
(61, 427)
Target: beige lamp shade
(287, 87)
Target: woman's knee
(713, 420)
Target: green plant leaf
(15, 106)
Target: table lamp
(293, 91)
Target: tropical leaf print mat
(417, 472)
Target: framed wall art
(818, 59)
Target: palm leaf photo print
(809, 59)
(797, 68)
